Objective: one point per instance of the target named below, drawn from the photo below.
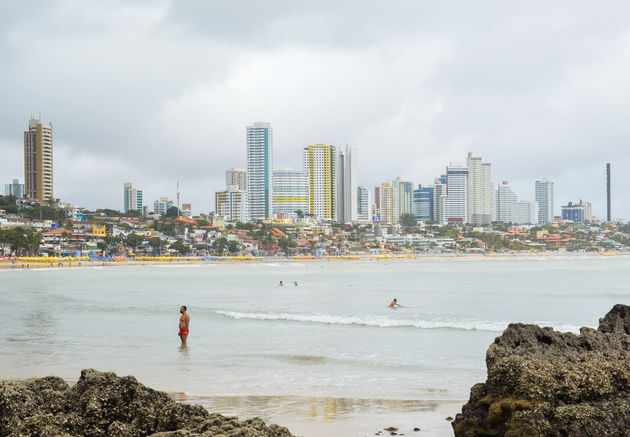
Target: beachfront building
(439, 197)
(290, 192)
(424, 203)
(524, 213)
(38, 161)
(232, 204)
(236, 176)
(162, 205)
(504, 205)
(260, 164)
(346, 185)
(544, 198)
(15, 189)
(320, 165)
(132, 198)
(479, 201)
(577, 212)
(386, 199)
(363, 204)
(405, 196)
(456, 200)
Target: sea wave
(373, 321)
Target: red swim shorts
(183, 332)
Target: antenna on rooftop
(177, 197)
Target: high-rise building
(38, 161)
(506, 198)
(232, 204)
(132, 199)
(15, 189)
(387, 203)
(608, 204)
(439, 197)
(236, 176)
(479, 208)
(320, 165)
(544, 198)
(187, 210)
(424, 203)
(456, 201)
(577, 212)
(260, 165)
(162, 205)
(405, 196)
(363, 204)
(346, 185)
(524, 213)
(290, 192)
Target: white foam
(375, 321)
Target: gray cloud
(155, 92)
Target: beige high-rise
(38, 161)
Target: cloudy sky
(159, 91)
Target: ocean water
(325, 350)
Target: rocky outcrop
(103, 404)
(547, 383)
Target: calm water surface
(257, 348)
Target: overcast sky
(160, 91)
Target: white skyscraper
(506, 198)
(405, 196)
(525, 213)
(260, 165)
(439, 196)
(363, 204)
(232, 204)
(544, 198)
(479, 191)
(290, 191)
(346, 185)
(456, 201)
(320, 163)
(132, 198)
(236, 176)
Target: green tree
(180, 247)
(219, 245)
(408, 220)
(133, 240)
(156, 244)
(172, 212)
(233, 247)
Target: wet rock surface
(103, 404)
(547, 383)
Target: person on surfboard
(394, 304)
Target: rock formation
(547, 383)
(103, 404)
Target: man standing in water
(394, 304)
(184, 322)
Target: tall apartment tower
(38, 161)
(232, 204)
(405, 196)
(290, 191)
(15, 189)
(506, 198)
(544, 198)
(608, 205)
(363, 204)
(260, 167)
(387, 202)
(236, 176)
(132, 199)
(439, 197)
(479, 208)
(346, 185)
(456, 201)
(321, 166)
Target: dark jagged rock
(103, 404)
(547, 383)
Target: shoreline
(33, 263)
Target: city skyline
(532, 109)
